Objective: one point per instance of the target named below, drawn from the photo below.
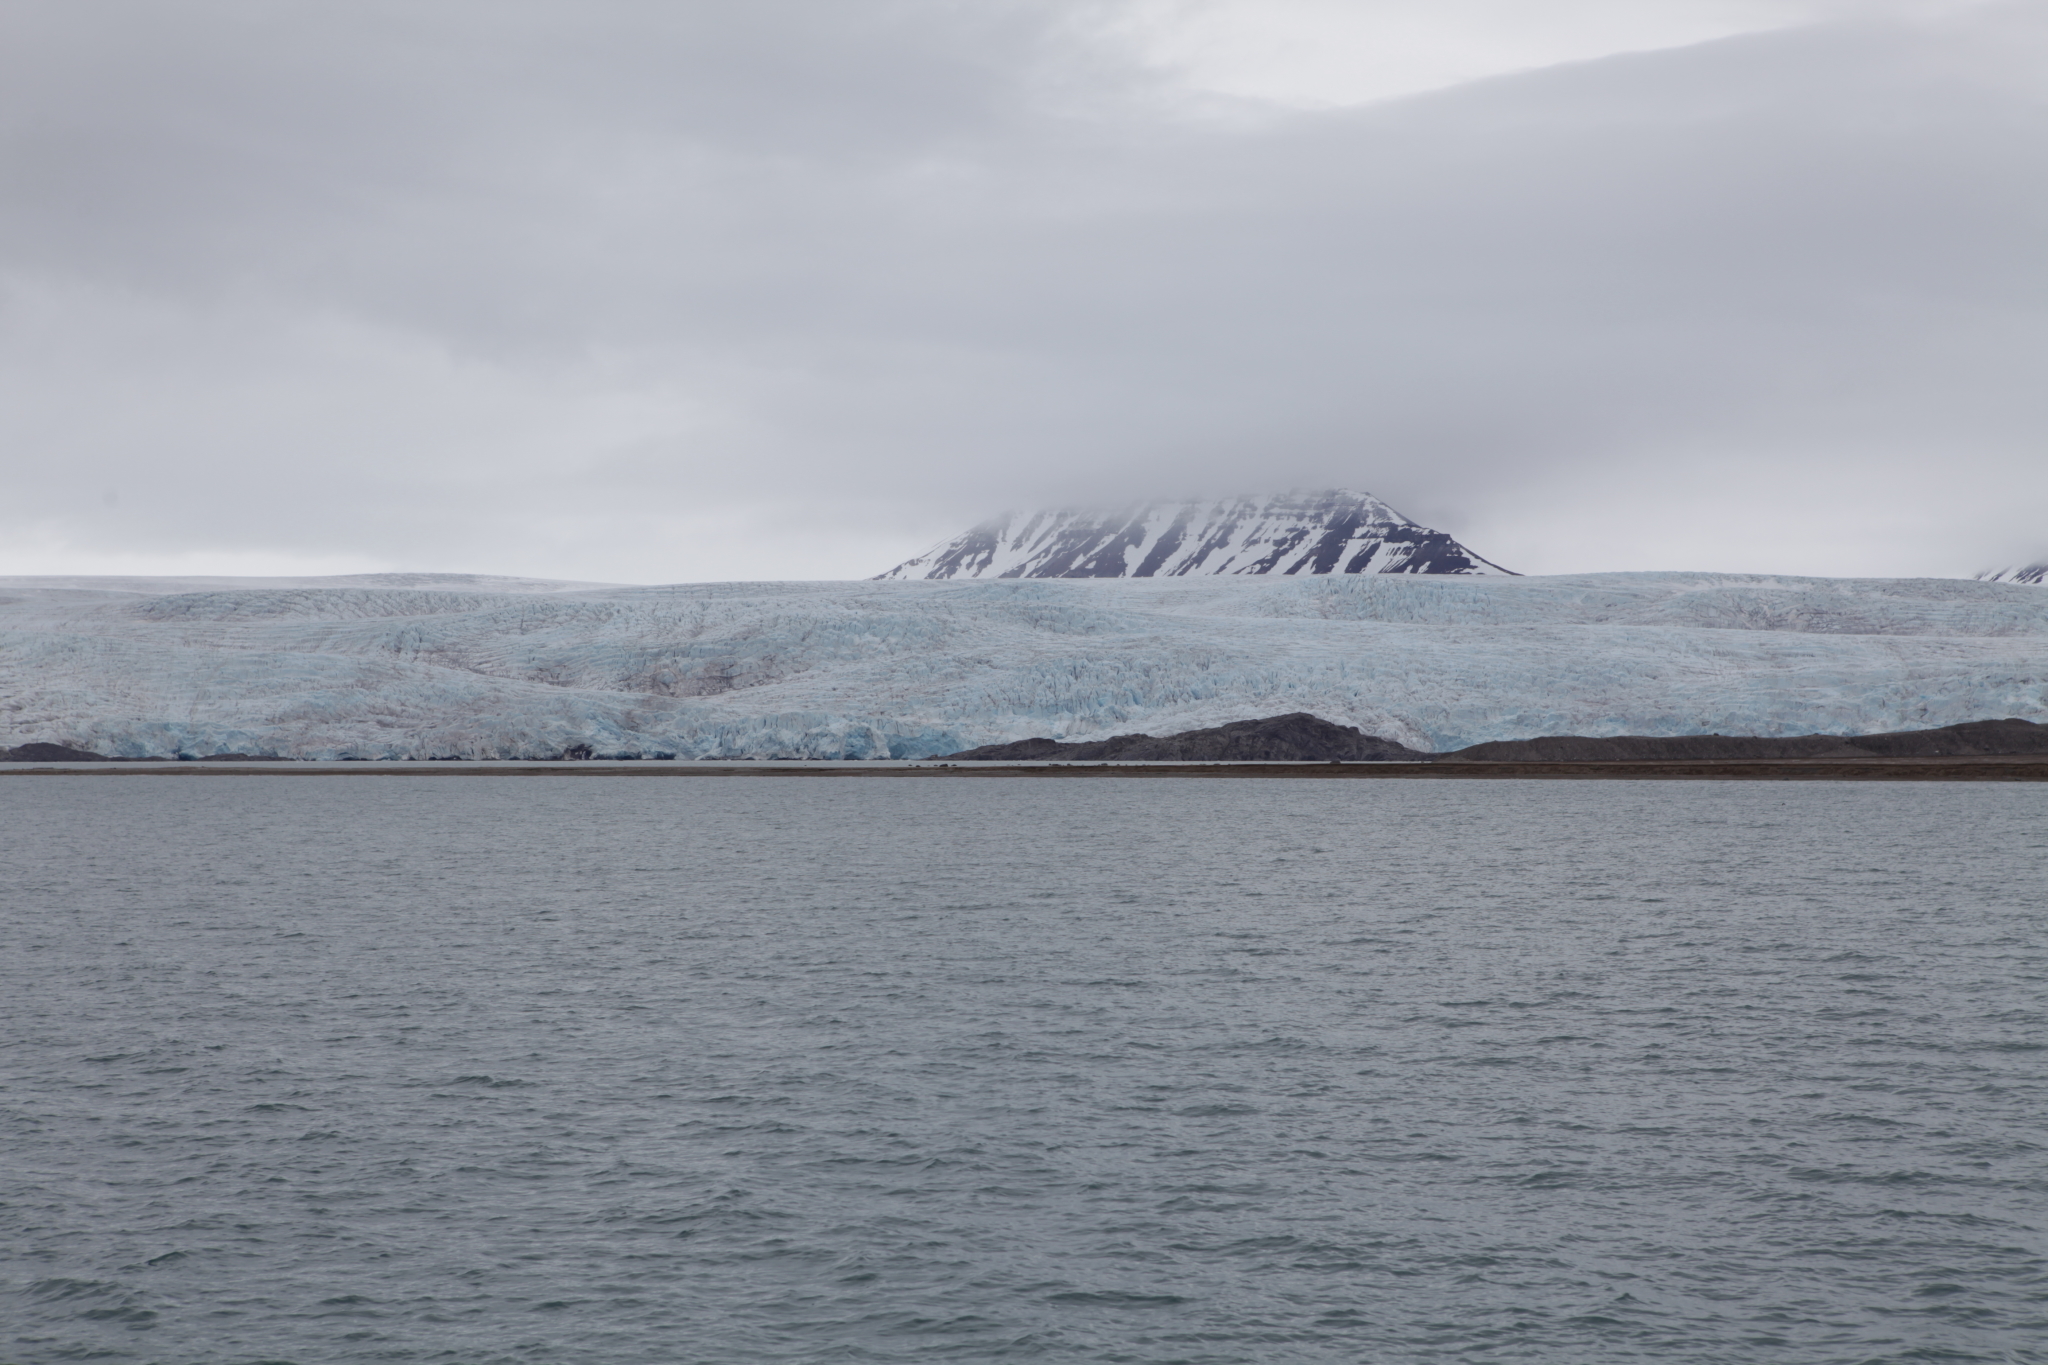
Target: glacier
(466, 666)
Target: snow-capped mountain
(425, 667)
(2030, 573)
(1331, 532)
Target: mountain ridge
(1328, 531)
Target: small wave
(61, 1288)
(1115, 1298)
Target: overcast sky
(667, 290)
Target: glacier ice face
(432, 666)
(1333, 532)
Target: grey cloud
(859, 270)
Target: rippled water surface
(468, 1069)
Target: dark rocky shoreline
(1303, 738)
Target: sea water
(504, 1069)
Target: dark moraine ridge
(50, 753)
(1972, 738)
(64, 753)
(1303, 738)
(1294, 738)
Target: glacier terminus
(463, 666)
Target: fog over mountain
(632, 291)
